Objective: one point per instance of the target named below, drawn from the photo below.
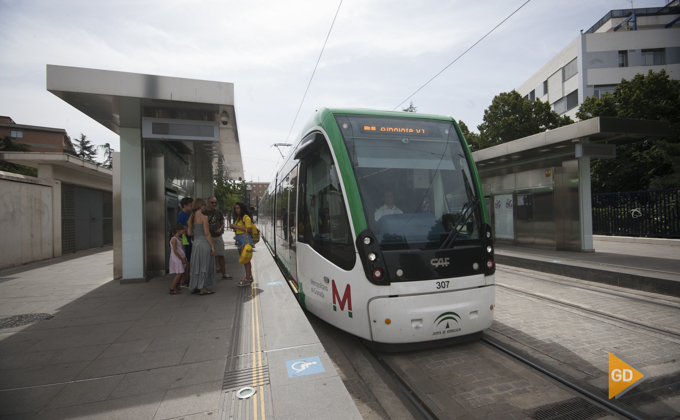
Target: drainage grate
(19, 320)
(653, 390)
(574, 409)
(246, 377)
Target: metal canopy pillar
(132, 191)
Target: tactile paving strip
(237, 379)
(247, 365)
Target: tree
(8, 145)
(85, 149)
(511, 117)
(228, 192)
(108, 155)
(652, 163)
(410, 108)
(473, 139)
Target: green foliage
(108, 155)
(511, 117)
(228, 192)
(473, 139)
(85, 149)
(653, 163)
(7, 145)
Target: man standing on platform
(183, 219)
(216, 222)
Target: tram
(378, 223)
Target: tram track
(590, 310)
(420, 402)
(658, 301)
(582, 390)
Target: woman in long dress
(202, 261)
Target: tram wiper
(469, 209)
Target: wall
(27, 219)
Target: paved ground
(111, 350)
(577, 342)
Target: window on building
(623, 58)
(545, 87)
(16, 134)
(560, 106)
(572, 100)
(655, 57)
(570, 70)
(602, 89)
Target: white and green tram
(377, 221)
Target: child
(177, 258)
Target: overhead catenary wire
(464, 52)
(313, 72)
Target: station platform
(651, 265)
(77, 344)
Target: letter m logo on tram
(346, 299)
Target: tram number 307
(442, 284)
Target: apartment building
(41, 139)
(620, 45)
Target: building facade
(255, 191)
(41, 139)
(620, 45)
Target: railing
(653, 214)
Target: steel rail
(572, 305)
(589, 288)
(413, 398)
(564, 381)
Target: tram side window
(324, 223)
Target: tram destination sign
(401, 128)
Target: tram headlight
(372, 257)
(488, 234)
(489, 249)
(489, 264)
(400, 272)
(377, 274)
(367, 240)
(475, 266)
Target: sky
(378, 53)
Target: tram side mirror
(308, 145)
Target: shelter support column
(132, 192)
(585, 204)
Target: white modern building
(620, 45)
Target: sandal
(175, 292)
(207, 292)
(244, 282)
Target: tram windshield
(414, 180)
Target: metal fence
(652, 214)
